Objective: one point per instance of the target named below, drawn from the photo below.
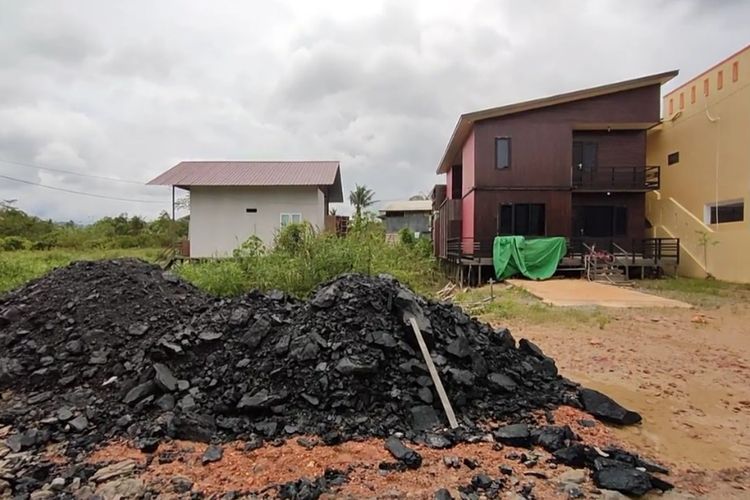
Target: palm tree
(361, 197)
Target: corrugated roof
(255, 173)
(466, 121)
(408, 206)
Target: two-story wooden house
(571, 165)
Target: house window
(290, 219)
(726, 211)
(705, 87)
(720, 80)
(692, 94)
(502, 152)
(251, 210)
(671, 106)
(735, 71)
(682, 100)
(673, 158)
(600, 221)
(522, 219)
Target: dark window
(673, 158)
(502, 152)
(394, 214)
(728, 212)
(457, 179)
(600, 221)
(585, 155)
(522, 219)
(251, 210)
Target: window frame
(706, 87)
(509, 154)
(711, 212)
(692, 94)
(720, 80)
(682, 100)
(735, 71)
(673, 158)
(291, 220)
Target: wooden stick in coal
(434, 374)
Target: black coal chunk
(553, 437)
(623, 478)
(443, 494)
(513, 435)
(606, 409)
(409, 457)
(164, 378)
(501, 382)
(424, 418)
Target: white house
(233, 200)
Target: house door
(250, 223)
(585, 155)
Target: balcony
(616, 178)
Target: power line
(52, 169)
(82, 193)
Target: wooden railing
(468, 248)
(616, 178)
(655, 249)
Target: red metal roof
(255, 173)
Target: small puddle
(681, 441)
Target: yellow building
(703, 147)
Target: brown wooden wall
(542, 139)
(618, 148)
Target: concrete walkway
(579, 292)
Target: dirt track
(685, 371)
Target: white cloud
(127, 89)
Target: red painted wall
(467, 223)
(467, 160)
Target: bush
(406, 237)
(12, 243)
(302, 259)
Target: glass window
(522, 219)
(502, 152)
(673, 158)
(726, 212)
(720, 80)
(682, 100)
(285, 218)
(692, 94)
(735, 71)
(296, 218)
(705, 87)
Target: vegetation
(20, 231)
(301, 259)
(510, 303)
(698, 291)
(361, 198)
(18, 267)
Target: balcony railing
(616, 178)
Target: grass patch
(19, 267)
(697, 291)
(511, 303)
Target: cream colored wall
(712, 136)
(219, 222)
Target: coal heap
(121, 349)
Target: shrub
(406, 237)
(12, 243)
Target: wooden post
(434, 374)
(172, 202)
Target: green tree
(361, 197)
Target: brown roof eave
(466, 121)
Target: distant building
(705, 182)
(571, 165)
(233, 200)
(411, 214)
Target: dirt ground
(687, 371)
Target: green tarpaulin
(536, 258)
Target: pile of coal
(120, 348)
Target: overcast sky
(128, 89)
